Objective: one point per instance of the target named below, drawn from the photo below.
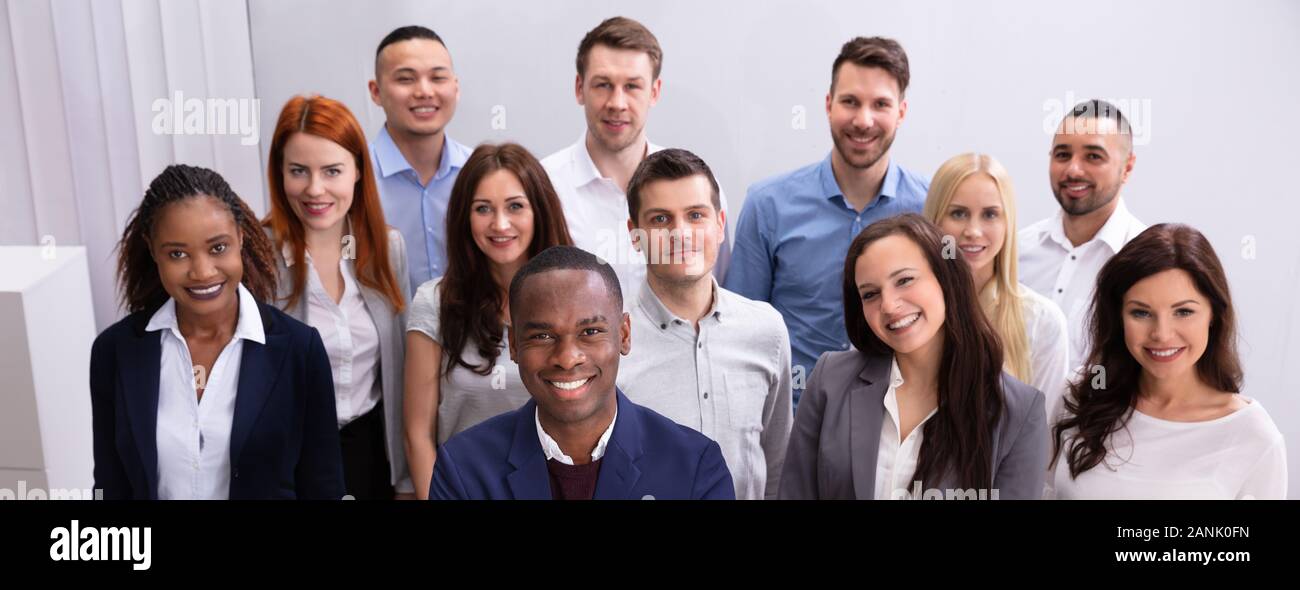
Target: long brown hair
(1097, 409)
(470, 306)
(959, 439)
(138, 281)
(330, 119)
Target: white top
(193, 437)
(465, 398)
(1051, 265)
(595, 208)
(1049, 346)
(896, 460)
(1239, 456)
(351, 340)
(552, 449)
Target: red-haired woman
(343, 271)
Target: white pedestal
(47, 326)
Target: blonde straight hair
(1001, 297)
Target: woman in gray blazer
(343, 271)
(920, 407)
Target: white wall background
(1220, 81)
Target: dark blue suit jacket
(648, 456)
(284, 442)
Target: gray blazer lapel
(866, 411)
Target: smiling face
(196, 245)
(616, 95)
(501, 218)
(682, 227)
(567, 333)
(320, 179)
(902, 300)
(1166, 323)
(1091, 161)
(976, 219)
(416, 87)
(865, 109)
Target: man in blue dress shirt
(415, 162)
(795, 228)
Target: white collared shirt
(193, 436)
(551, 449)
(1067, 274)
(350, 337)
(896, 460)
(1049, 350)
(595, 208)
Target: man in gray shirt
(703, 356)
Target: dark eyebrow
(219, 238)
(689, 208)
(1089, 147)
(596, 319)
(1183, 302)
(411, 70)
(536, 326)
(173, 244)
(508, 199)
(891, 275)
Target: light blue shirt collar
(831, 188)
(391, 161)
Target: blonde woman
(972, 201)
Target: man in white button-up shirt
(617, 85)
(1091, 159)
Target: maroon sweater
(573, 482)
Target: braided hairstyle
(138, 281)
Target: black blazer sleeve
(110, 475)
(319, 474)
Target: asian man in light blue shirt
(414, 159)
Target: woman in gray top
(502, 212)
(921, 407)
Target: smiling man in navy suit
(579, 438)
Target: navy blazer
(648, 457)
(284, 442)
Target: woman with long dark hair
(204, 391)
(921, 408)
(1158, 413)
(502, 212)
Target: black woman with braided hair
(204, 391)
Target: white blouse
(1049, 347)
(896, 460)
(193, 436)
(1238, 456)
(351, 341)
